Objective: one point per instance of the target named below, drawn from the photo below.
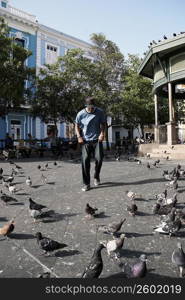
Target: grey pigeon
(6, 198)
(137, 270)
(112, 227)
(90, 210)
(95, 267)
(132, 209)
(178, 258)
(169, 227)
(160, 197)
(169, 217)
(47, 244)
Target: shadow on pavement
(21, 236)
(65, 253)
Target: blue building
(47, 45)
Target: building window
(3, 4)
(51, 54)
(20, 42)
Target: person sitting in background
(8, 142)
(30, 144)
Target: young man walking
(90, 131)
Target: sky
(131, 24)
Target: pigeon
(35, 206)
(43, 178)
(6, 198)
(90, 210)
(28, 181)
(12, 189)
(10, 179)
(5, 184)
(47, 244)
(132, 195)
(136, 270)
(1, 171)
(148, 165)
(112, 227)
(167, 158)
(18, 167)
(181, 173)
(132, 209)
(173, 184)
(172, 200)
(178, 258)
(180, 213)
(14, 172)
(55, 163)
(35, 214)
(39, 167)
(168, 176)
(95, 267)
(169, 217)
(169, 227)
(159, 209)
(115, 245)
(160, 197)
(7, 228)
(44, 275)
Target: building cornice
(62, 36)
(7, 14)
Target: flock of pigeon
(172, 220)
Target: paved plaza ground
(20, 256)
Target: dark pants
(90, 149)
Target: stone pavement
(20, 256)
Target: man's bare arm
(78, 133)
(102, 132)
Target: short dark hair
(90, 101)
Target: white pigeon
(115, 245)
(28, 181)
(171, 200)
(12, 189)
(132, 195)
(35, 214)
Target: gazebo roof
(164, 48)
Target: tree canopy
(13, 72)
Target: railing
(22, 14)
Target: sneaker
(96, 182)
(86, 188)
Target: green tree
(110, 69)
(47, 102)
(136, 103)
(13, 72)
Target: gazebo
(164, 63)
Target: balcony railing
(20, 13)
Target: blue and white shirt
(90, 123)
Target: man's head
(90, 103)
